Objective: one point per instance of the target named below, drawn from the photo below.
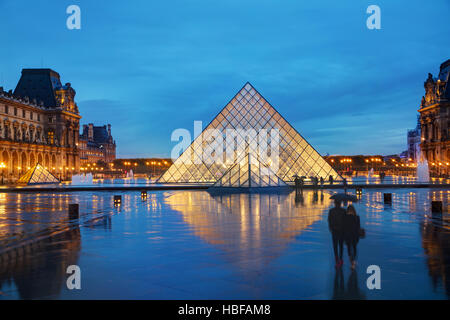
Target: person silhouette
(351, 233)
(335, 225)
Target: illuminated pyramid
(37, 175)
(246, 111)
(249, 172)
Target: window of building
(23, 113)
(51, 137)
(6, 109)
(15, 111)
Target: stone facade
(39, 123)
(97, 144)
(435, 120)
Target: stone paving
(193, 245)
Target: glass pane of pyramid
(249, 172)
(38, 175)
(247, 114)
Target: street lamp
(2, 166)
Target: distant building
(435, 120)
(97, 144)
(413, 137)
(39, 123)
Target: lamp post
(3, 166)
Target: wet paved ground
(191, 245)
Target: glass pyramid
(246, 111)
(249, 172)
(37, 175)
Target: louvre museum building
(39, 123)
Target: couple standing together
(344, 225)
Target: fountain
(78, 179)
(422, 173)
(130, 174)
(371, 171)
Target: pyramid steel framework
(249, 173)
(249, 110)
(37, 175)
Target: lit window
(51, 137)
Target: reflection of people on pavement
(339, 287)
(298, 198)
(315, 196)
(335, 224)
(351, 231)
(352, 292)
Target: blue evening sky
(149, 67)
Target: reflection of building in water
(103, 222)
(436, 243)
(252, 228)
(38, 270)
(37, 209)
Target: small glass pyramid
(37, 175)
(248, 110)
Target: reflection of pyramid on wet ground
(248, 110)
(247, 227)
(249, 231)
(38, 175)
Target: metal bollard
(387, 198)
(74, 211)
